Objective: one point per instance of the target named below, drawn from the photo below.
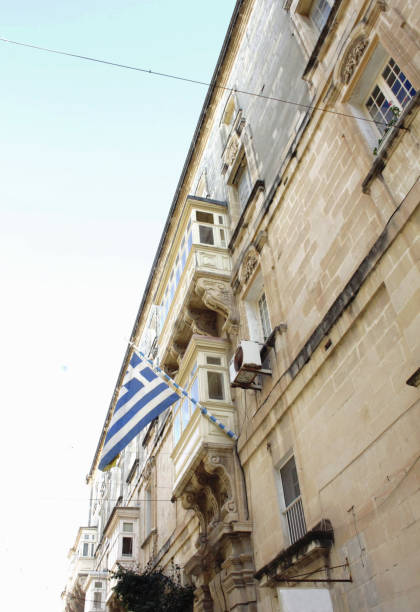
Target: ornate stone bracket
(222, 564)
(210, 493)
(201, 322)
(217, 295)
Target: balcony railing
(295, 520)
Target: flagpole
(232, 435)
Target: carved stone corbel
(202, 322)
(217, 295)
(189, 501)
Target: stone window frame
(371, 41)
(392, 98)
(242, 171)
(307, 29)
(255, 289)
(318, 14)
(280, 493)
(229, 115)
(360, 82)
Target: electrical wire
(198, 82)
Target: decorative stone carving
(201, 322)
(231, 151)
(217, 295)
(352, 59)
(147, 470)
(249, 264)
(222, 564)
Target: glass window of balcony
(127, 547)
(204, 217)
(206, 234)
(97, 600)
(211, 360)
(215, 385)
(202, 228)
(184, 409)
(128, 527)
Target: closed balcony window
(204, 217)
(206, 234)
(215, 385)
(127, 547)
(184, 408)
(320, 11)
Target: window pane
(128, 527)
(85, 549)
(319, 13)
(194, 390)
(290, 481)
(215, 383)
(98, 585)
(127, 546)
(264, 317)
(204, 217)
(213, 360)
(206, 234)
(243, 184)
(177, 428)
(185, 412)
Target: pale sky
(90, 156)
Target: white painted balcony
(122, 535)
(202, 261)
(205, 375)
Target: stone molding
(249, 263)
(217, 295)
(352, 59)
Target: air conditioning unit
(245, 364)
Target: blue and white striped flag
(143, 396)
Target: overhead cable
(197, 82)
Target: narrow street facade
(285, 297)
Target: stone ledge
(317, 541)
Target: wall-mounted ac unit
(245, 364)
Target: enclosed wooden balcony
(194, 295)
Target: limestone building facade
(285, 296)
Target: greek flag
(143, 396)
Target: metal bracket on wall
(304, 577)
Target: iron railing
(295, 520)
